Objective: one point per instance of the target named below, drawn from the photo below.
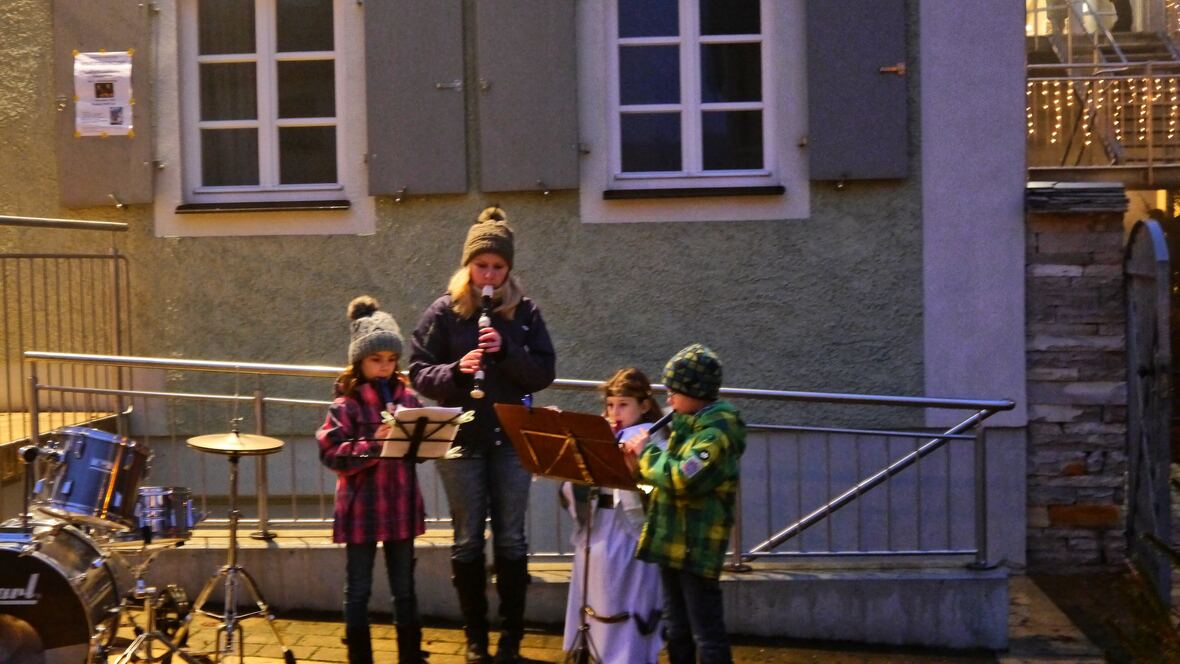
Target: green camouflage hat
(695, 371)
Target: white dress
(618, 583)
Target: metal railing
(71, 301)
(1097, 118)
(914, 492)
(1064, 22)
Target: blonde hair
(631, 382)
(465, 297)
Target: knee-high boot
(512, 580)
(470, 579)
(409, 644)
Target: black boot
(409, 644)
(356, 636)
(470, 579)
(512, 582)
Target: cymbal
(246, 444)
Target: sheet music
(439, 432)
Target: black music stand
(580, 448)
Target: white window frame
(783, 107)
(688, 40)
(177, 88)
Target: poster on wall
(102, 94)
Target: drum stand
(150, 595)
(152, 600)
(233, 575)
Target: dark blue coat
(525, 364)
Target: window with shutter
(698, 99)
(270, 104)
(260, 101)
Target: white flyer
(102, 94)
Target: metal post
(735, 535)
(981, 557)
(263, 531)
(116, 304)
(34, 438)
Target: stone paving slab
(1039, 634)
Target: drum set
(72, 566)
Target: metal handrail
(561, 383)
(71, 224)
(984, 408)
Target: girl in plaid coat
(377, 500)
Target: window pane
(648, 18)
(304, 25)
(225, 26)
(307, 155)
(732, 140)
(731, 72)
(651, 142)
(229, 157)
(649, 75)
(307, 89)
(229, 91)
(730, 17)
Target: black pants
(694, 618)
(399, 566)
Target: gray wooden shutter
(857, 125)
(94, 171)
(414, 86)
(527, 97)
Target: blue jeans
(494, 483)
(694, 618)
(399, 566)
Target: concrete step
(949, 606)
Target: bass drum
(56, 580)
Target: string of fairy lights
(1122, 105)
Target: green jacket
(695, 479)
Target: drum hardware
(165, 611)
(232, 575)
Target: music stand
(580, 448)
(234, 445)
(420, 434)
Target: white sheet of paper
(437, 441)
(102, 94)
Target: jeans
(477, 485)
(399, 566)
(694, 618)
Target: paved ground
(1039, 632)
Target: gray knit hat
(694, 371)
(490, 232)
(372, 330)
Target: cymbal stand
(232, 575)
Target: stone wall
(1076, 390)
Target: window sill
(692, 192)
(261, 206)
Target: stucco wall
(832, 302)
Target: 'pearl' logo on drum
(26, 595)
